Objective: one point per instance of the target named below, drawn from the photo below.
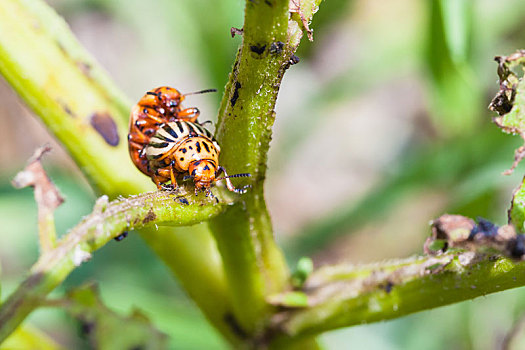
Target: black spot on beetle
(181, 159)
(104, 124)
(198, 145)
(206, 167)
(235, 96)
(258, 49)
(184, 150)
(276, 47)
(205, 144)
(121, 236)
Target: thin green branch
(253, 263)
(345, 295)
(107, 221)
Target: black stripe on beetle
(155, 156)
(199, 128)
(192, 130)
(181, 127)
(159, 145)
(170, 131)
(162, 137)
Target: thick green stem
(253, 263)
(107, 221)
(345, 295)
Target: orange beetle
(156, 107)
(166, 143)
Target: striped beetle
(187, 149)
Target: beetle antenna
(200, 92)
(234, 175)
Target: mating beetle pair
(167, 143)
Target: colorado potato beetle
(188, 150)
(156, 107)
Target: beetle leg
(229, 184)
(136, 145)
(172, 176)
(154, 118)
(138, 137)
(158, 180)
(161, 176)
(189, 114)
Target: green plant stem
(254, 265)
(107, 221)
(345, 295)
(42, 61)
(64, 86)
(28, 337)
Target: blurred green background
(382, 126)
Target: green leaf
(108, 330)
(455, 91)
